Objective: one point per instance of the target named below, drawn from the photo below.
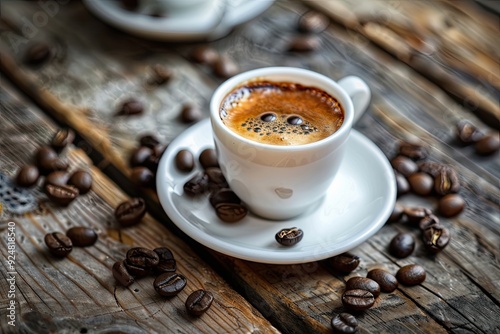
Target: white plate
(356, 206)
(211, 20)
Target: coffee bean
(208, 158)
(488, 145)
(167, 262)
(467, 133)
(58, 244)
(184, 160)
(224, 195)
(345, 262)
(191, 113)
(216, 178)
(430, 167)
(130, 107)
(169, 284)
(416, 213)
(397, 213)
(404, 165)
(344, 323)
(161, 74)
(413, 151)
(304, 43)
(121, 275)
(421, 183)
(130, 212)
(198, 184)
(139, 156)
(61, 195)
(199, 302)
(225, 67)
(451, 205)
(411, 274)
(230, 212)
(153, 160)
(402, 245)
(44, 155)
(313, 22)
(446, 181)
(137, 271)
(428, 221)
(205, 55)
(386, 281)
(357, 299)
(289, 236)
(37, 53)
(402, 184)
(27, 176)
(81, 180)
(48, 166)
(143, 258)
(436, 238)
(142, 177)
(363, 283)
(82, 236)
(62, 138)
(149, 141)
(57, 178)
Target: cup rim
(266, 73)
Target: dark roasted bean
(224, 195)
(27, 176)
(451, 205)
(428, 221)
(137, 271)
(58, 244)
(467, 133)
(216, 178)
(345, 262)
(58, 178)
(208, 158)
(488, 145)
(404, 165)
(402, 245)
(313, 22)
(184, 160)
(149, 141)
(169, 284)
(411, 274)
(430, 167)
(139, 156)
(142, 177)
(363, 283)
(436, 238)
(160, 74)
(402, 184)
(60, 194)
(191, 113)
(230, 212)
(82, 180)
(416, 213)
(37, 53)
(130, 212)
(386, 281)
(446, 181)
(130, 107)
(62, 138)
(142, 257)
(304, 43)
(121, 275)
(357, 299)
(421, 183)
(289, 236)
(167, 262)
(198, 184)
(199, 302)
(344, 323)
(82, 236)
(397, 213)
(413, 151)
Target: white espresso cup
(281, 182)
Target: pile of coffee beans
(144, 161)
(484, 144)
(60, 245)
(160, 262)
(221, 65)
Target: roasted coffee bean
(167, 262)
(184, 160)
(198, 184)
(149, 141)
(411, 274)
(313, 22)
(169, 284)
(27, 176)
(121, 275)
(142, 177)
(160, 74)
(386, 281)
(224, 195)
(436, 238)
(208, 158)
(230, 212)
(416, 213)
(216, 178)
(139, 156)
(451, 205)
(344, 323)
(430, 167)
(37, 53)
(345, 262)
(397, 213)
(446, 181)
(304, 43)
(191, 113)
(402, 184)
(130, 4)
(62, 138)
(428, 221)
(205, 55)
(289, 236)
(137, 271)
(363, 283)
(58, 164)
(142, 257)
(82, 236)
(130, 212)
(413, 151)
(225, 67)
(61, 195)
(130, 107)
(82, 180)
(199, 302)
(467, 133)
(402, 245)
(488, 145)
(45, 154)
(357, 299)
(404, 165)
(58, 244)
(153, 160)
(58, 178)
(421, 183)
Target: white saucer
(356, 206)
(211, 20)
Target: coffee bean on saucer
(357, 299)
(184, 160)
(428, 221)
(363, 283)
(446, 181)
(230, 212)
(81, 180)
(167, 262)
(402, 245)
(58, 244)
(467, 133)
(139, 156)
(121, 275)
(160, 75)
(413, 151)
(436, 238)
(62, 138)
(430, 167)
(224, 195)
(130, 107)
(404, 165)
(61, 195)
(169, 284)
(313, 22)
(344, 323)
(27, 176)
(289, 236)
(421, 183)
(488, 145)
(416, 213)
(402, 184)
(225, 67)
(451, 205)
(217, 179)
(142, 177)
(82, 236)
(397, 213)
(304, 43)
(345, 262)
(411, 274)
(198, 184)
(386, 281)
(149, 141)
(205, 55)
(199, 302)
(37, 53)
(208, 158)
(191, 113)
(130, 212)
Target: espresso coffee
(281, 113)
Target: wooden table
(428, 64)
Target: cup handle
(359, 92)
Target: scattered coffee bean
(61, 195)
(357, 299)
(205, 55)
(230, 212)
(37, 53)
(345, 262)
(451, 205)
(416, 213)
(48, 166)
(184, 160)
(140, 155)
(446, 181)
(402, 245)
(421, 183)
(313, 22)
(82, 236)
(344, 323)
(198, 184)
(27, 176)
(224, 195)
(467, 133)
(404, 165)
(217, 179)
(62, 138)
(142, 257)
(130, 212)
(430, 167)
(397, 213)
(167, 262)
(57, 178)
(413, 151)
(289, 236)
(304, 43)
(386, 281)
(142, 177)
(58, 244)
(225, 67)
(191, 113)
(436, 238)
(130, 107)
(402, 184)
(208, 158)
(137, 271)
(81, 180)
(169, 284)
(488, 145)
(121, 275)
(411, 274)
(199, 302)
(428, 221)
(149, 141)
(44, 156)
(160, 75)
(363, 283)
